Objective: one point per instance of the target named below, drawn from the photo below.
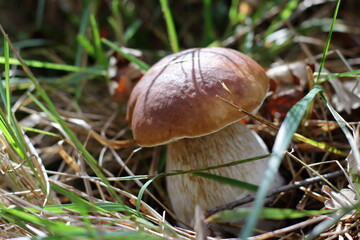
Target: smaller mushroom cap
(177, 97)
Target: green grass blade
(83, 206)
(10, 136)
(282, 141)
(2, 93)
(41, 132)
(234, 12)
(116, 20)
(82, 31)
(228, 181)
(266, 213)
(23, 218)
(86, 45)
(209, 26)
(319, 145)
(40, 13)
(328, 76)
(100, 55)
(30, 43)
(328, 40)
(7, 79)
(141, 193)
(229, 164)
(170, 25)
(129, 57)
(132, 29)
(102, 207)
(54, 66)
(283, 16)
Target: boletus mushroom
(176, 103)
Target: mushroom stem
(234, 142)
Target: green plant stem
(54, 66)
(7, 79)
(83, 25)
(170, 25)
(209, 26)
(328, 40)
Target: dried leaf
(124, 74)
(352, 165)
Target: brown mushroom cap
(177, 97)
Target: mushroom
(176, 103)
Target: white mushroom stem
(234, 142)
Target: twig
(275, 191)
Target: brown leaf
(123, 74)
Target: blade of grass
(97, 53)
(282, 141)
(2, 93)
(40, 13)
(97, 42)
(352, 74)
(266, 213)
(41, 132)
(7, 131)
(102, 207)
(7, 79)
(82, 30)
(116, 21)
(328, 40)
(319, 145)
(234, 12)
(86, 44)
(141, 193)
(54, 66)
(129, 57)
(283, 16)
(131, 30)
(170, 25)
(228, 181)
(176, 172)
(22, 218)
(83, 206)
(29, 43)
(208, 23)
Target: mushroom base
(234, 142)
